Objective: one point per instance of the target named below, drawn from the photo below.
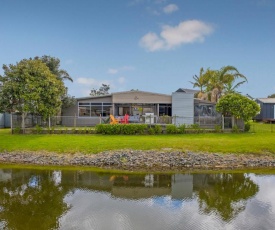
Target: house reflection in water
(138, 186)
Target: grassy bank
(258, 142)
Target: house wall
(267, 111)
(141, 97)
(2, 120)
(259, 116)
(183, 108)
(5, 120)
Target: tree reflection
(224, 194)
(31, 200)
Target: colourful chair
(125, 119)
(113, 120)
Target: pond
(82, 199)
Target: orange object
(113, 120)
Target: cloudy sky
(150, 45)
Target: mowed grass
(259, 142)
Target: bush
(151, 131)
(126, 129)
(235, 129)
(38, 129)
(217, 128)
(158, 129)
(247, 126)
(195, 126)
(181, 129)
(140, 129)
(171, 129)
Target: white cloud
(170, 37)
(112, 71)
(170, 8)
(120, 69)
(121, 80)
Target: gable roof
(182, 90)
(123, 92)
(267, 100)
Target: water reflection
(63, 199)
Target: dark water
(63, 199)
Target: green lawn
(262, 141)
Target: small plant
(181, 128)
(217, 128)
(158, 129)
(17, 130)
(247, 127)
(171, 129)
(65, 131)
(151, 131)
(235, 129)
(195, 126)
(74, 130)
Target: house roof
(90, 97)
(123, 92)
(139, 91)
(182, 90)
(267, 100)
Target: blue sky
(150, 45)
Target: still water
(75, 199)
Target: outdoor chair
(113, 120)
(125, 119)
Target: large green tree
(103, 90)
(238, 106)
(53, 64)
(30, 87)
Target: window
(94, 109)
(165, 110)
(84, 110)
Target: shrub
(235, 129)
(158, 129)
(195, 126)
(171, 129)
(17, 130)
(126, 129)
(181, 128)
(140, 128)
(247, 126)
(151, 131)
(217, 128)
(74, 131)
(38, 129)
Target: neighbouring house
(267, 109)
(5, 120)
(147, 107)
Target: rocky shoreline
(151, 160)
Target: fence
(209, 122)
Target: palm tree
(220, 81)
(200, 82)
(230, 88)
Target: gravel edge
(136, 160)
